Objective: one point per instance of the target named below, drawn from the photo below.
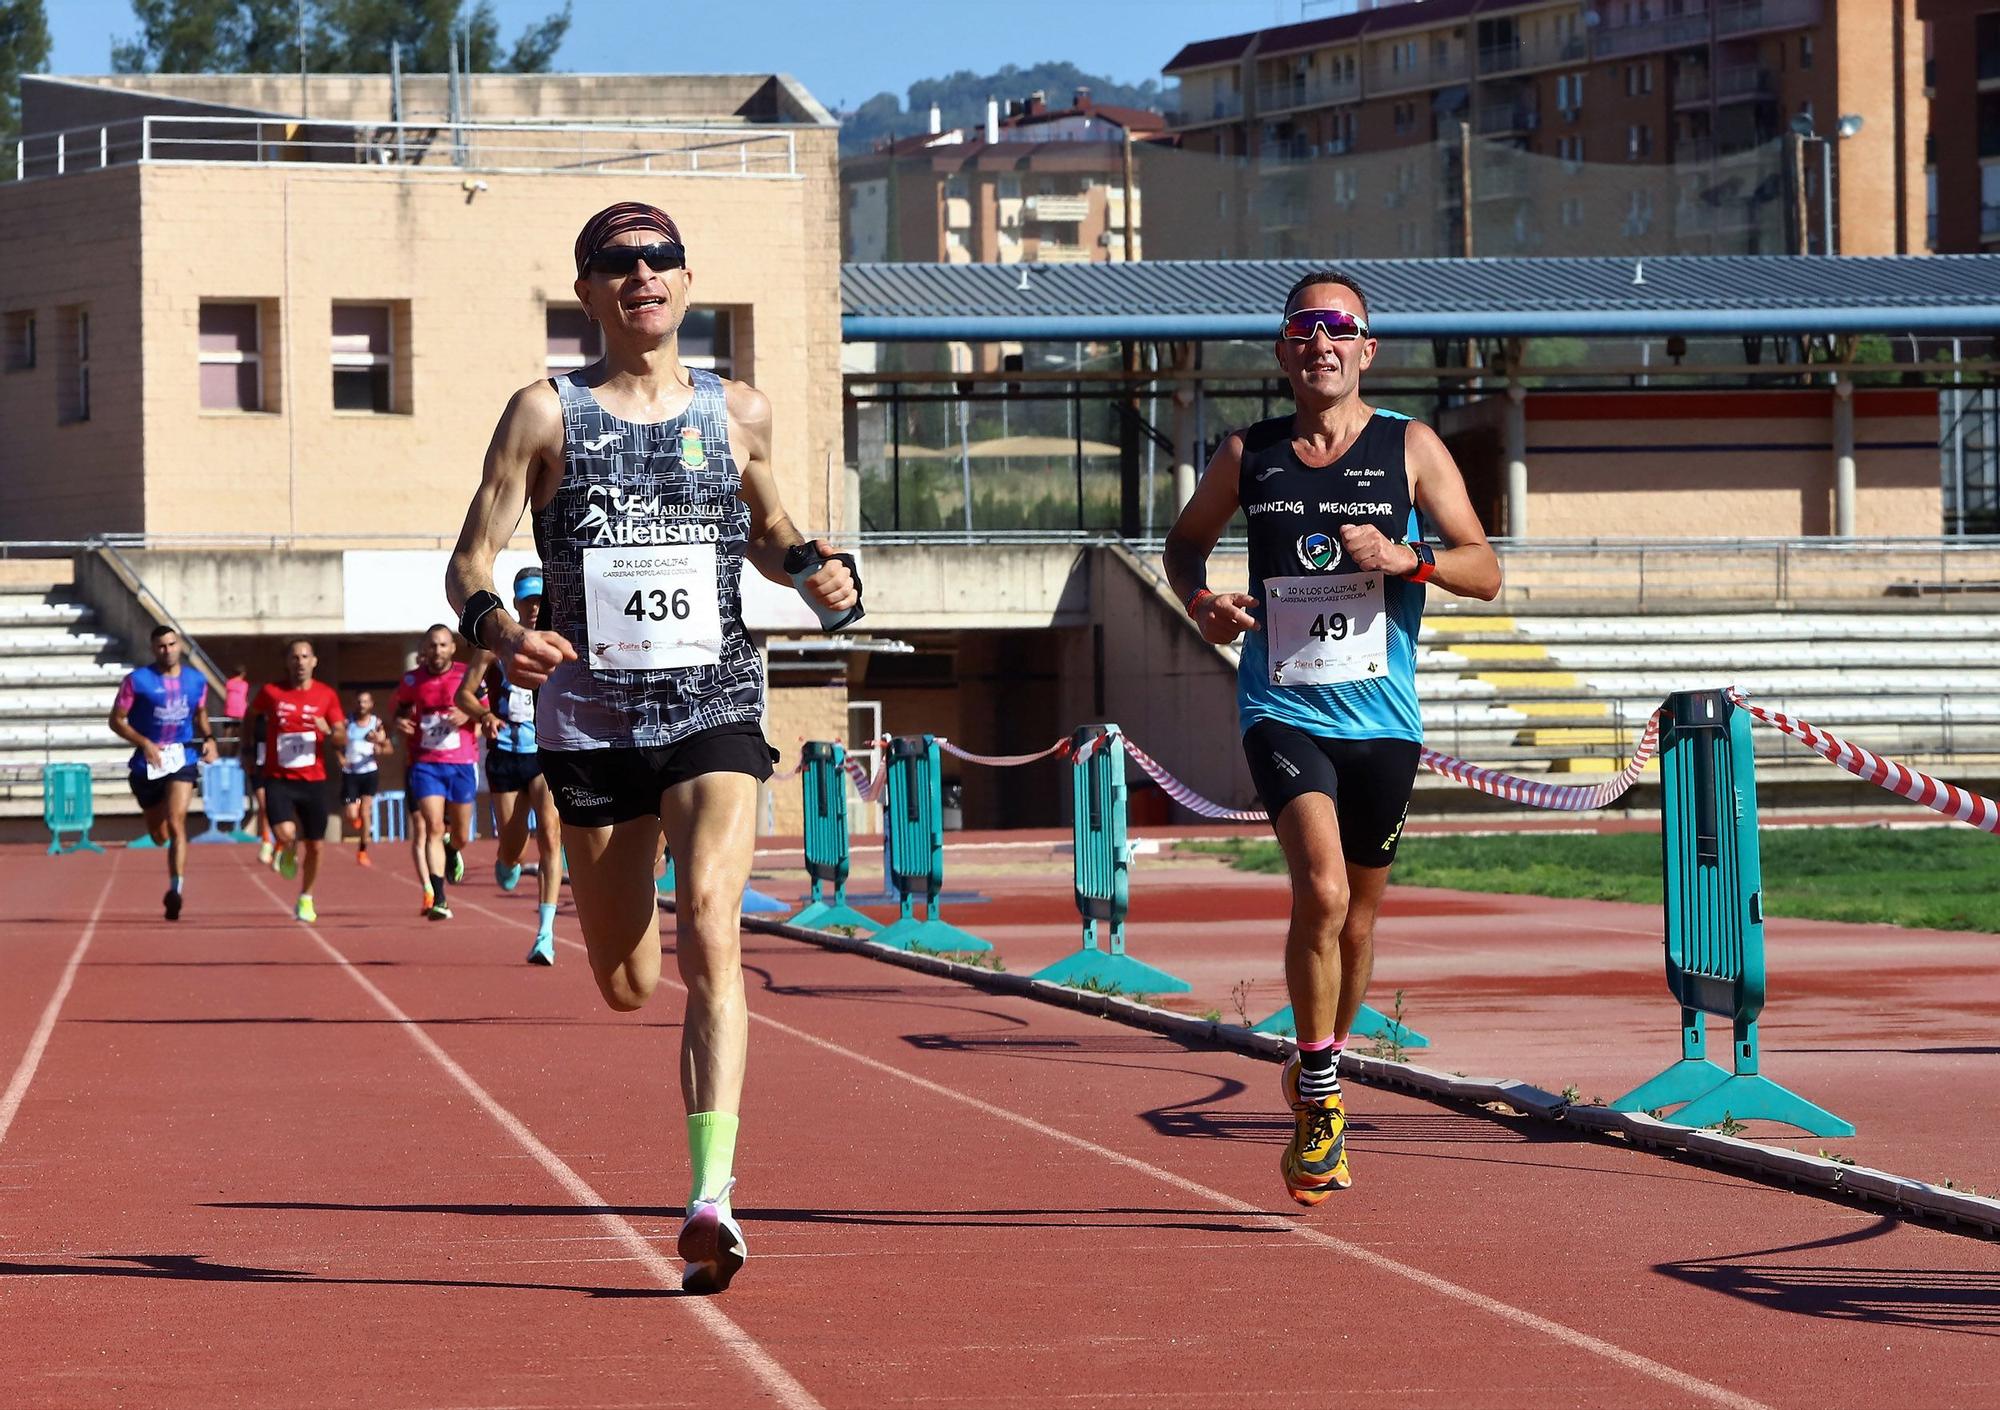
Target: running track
(382, 1163)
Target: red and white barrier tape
(1001, 761)
(1561, 797)
(1186, 796)
(1919, 787)
(868, 789)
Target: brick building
(1658, 126)
(1032, 185)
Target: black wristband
(478, 608)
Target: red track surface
(240, 1176)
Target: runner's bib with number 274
(1324, 630)
(652, 609)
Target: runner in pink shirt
(444, 766)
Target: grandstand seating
(57, 678)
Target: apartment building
(1032, 185)
(1962, 69)
(1593, 126)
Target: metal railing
(692, 150)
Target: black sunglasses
(660, 257)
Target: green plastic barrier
(1103, 861)
(67, 806)
(1715, 921)
(823, 780)
(913, 812)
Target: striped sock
(1319, 1068)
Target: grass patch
(1934, 878)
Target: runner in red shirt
(296, 720)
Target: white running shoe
(712, 1243)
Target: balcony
(1425, 73)
(1692, 88)
(1507, 118)
(1744, 81)
(1734, 17)
(1048, 252)
(1280, 96)
(1690, 151)
(1224, 107)
(1058, 210)
(1518, 56)
(1612, 43)
(1989, 222)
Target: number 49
(1329, 626)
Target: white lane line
(1570, 1336)
(775, 1378)
(17, 1087)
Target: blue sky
(843, 50)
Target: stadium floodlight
(1850, 123)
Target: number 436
(656, 606)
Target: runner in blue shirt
(162, 711)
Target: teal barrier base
(217, 835)
(830, 915)
(1713, 1096)
(1371, 1022)
(909, 933)
(142, 843)
(82, 844)
(756, 903)
(1110, 974)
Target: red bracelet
(1194, 603)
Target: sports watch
(1427, 564)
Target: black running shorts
(151, 792)
(297, 800)
(509, 772)
(599, 787)
(355, 787)
(1369, 781)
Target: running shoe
(288, 863)
(263, 854)
(544, 951)
(362, 858)
(711, 1241)
(438, 911)
(429, 901)
(454, 864)
(508, 877)
(1315, 1160)
(172, 901)
(304, 910)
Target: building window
(1805, 51)
(232, 361)
(1570, 149)
(364, 358)
(1638, 141)
(73, 365)
(1569, 94)
(706, 341)
(1638, 79)
(1572, 211)
(574, 339)
(20, 340)
(1010, 186)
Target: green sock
(711, 1150)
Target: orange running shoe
(1315, 1160)
(362, 858)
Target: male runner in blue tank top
(514, 770)
(650, 485)
(1326, 684)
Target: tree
(961, 99)
(342, 36)
(24, 48)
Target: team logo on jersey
(692, 454)
(614, 516)
(1318, 552)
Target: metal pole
(1843, 456)
(896, 455)
(1131, 221)
(1465, 187)
(1517, 459)
(396, 96)
(1958, 438)
(1799, 215)
(305, 94)
(1827, 243)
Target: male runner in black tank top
(620, 782)
(1327, 687)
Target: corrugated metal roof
(1599, 296)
